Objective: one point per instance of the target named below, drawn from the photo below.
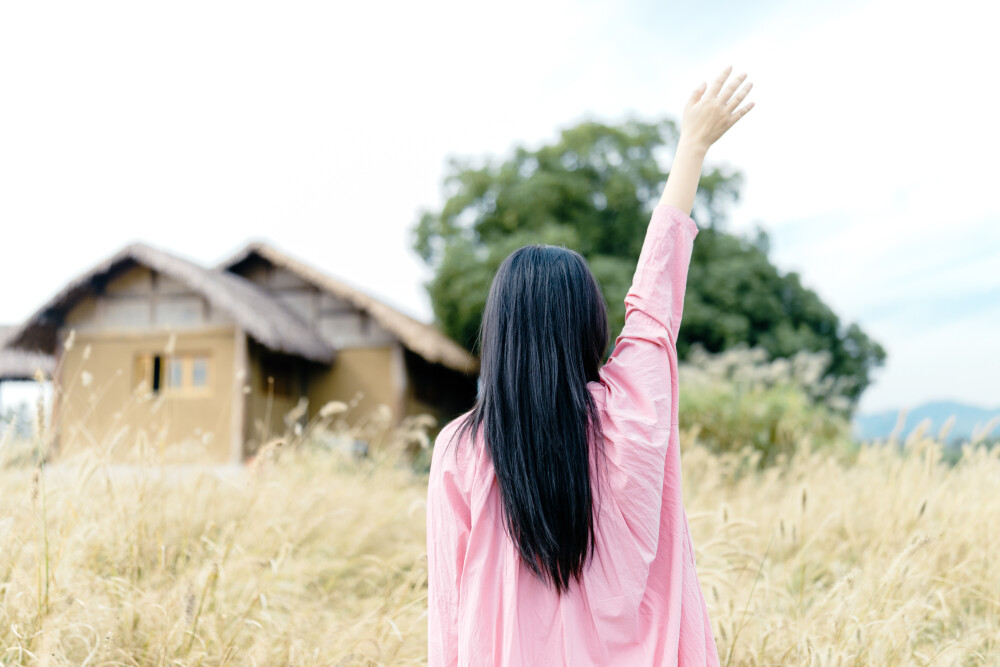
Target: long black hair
(543, 338)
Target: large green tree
(593, 190)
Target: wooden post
(399, 380)
(55, 424)
(241, 378)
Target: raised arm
(637, 374)
(639, 381)
(706, 117)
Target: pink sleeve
(448, 524)
(660, 279)
(637, 375)
(640, 377)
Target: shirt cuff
(671, 215)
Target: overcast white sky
(870, 157)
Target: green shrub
(737, 401)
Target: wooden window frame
(187, 388)
(147, 364)
(144, 372)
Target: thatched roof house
(225, 353)
(423, 339)
(261, 317)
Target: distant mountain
(968, 418)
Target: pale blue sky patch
(925, 312)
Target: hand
(708, 115)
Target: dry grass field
(311, 557)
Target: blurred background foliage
(593, 190)
(739, 401)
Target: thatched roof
(265, 319)
(421, 338)
(21, 365)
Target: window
(179, 374)
(189, 374)
(147, 376)
(175, 373)
(199, 372)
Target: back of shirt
(639, 601)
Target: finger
(696, 95)
(731, 87)
(719, 80)
(739, 113)
(739, 97)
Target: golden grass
(313, 558)
(886, 561)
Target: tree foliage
(594, 190)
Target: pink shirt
(639, 602)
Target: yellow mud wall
(368, 371)
(98, 406)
